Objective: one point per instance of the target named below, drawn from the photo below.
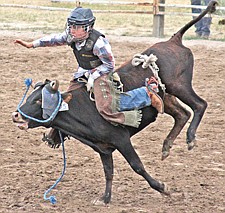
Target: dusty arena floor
(29, 167)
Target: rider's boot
(152, 90)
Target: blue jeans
(134, 99)
(202, 26)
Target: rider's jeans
(134, 99)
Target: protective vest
(85, 57)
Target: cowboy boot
(152, 89)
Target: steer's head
(33, 106)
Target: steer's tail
(211, 8)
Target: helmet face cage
(86, 27)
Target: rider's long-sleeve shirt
(101, 48)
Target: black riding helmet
(81, 17)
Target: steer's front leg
(107, 162)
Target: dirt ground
(29, 167)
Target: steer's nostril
(15, 115)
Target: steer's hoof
(165, 154)
(98, 202)
(192, 144)
(165, 190)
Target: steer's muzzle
(20, 122)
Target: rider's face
(78, 32)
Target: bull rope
(28, 83)
(148, 61)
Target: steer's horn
(54, 85)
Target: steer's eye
(39, 101)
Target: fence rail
(105, 2)
(120, 11)
(155, 2)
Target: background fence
(158, 8)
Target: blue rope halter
(28, 83)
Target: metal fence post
(158, 19)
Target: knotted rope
(149, 61)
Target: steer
(84, 123)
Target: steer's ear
(66, 96)
(38, 84)
(47, 81)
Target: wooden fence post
(158, 19)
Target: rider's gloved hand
(90, 83)
(91, 79)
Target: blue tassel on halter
(28, 81)
(52, 199)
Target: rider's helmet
(80, 18)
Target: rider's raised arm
(51, 40)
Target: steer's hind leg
(127, 150)
(107, 162)
(180, 115)
(188, 96)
